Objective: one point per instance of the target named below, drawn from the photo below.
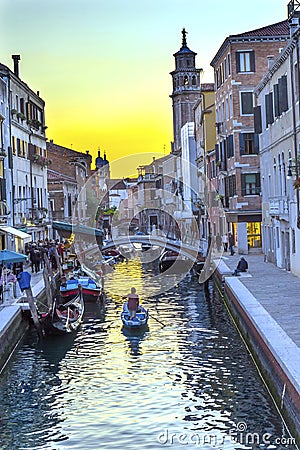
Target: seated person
(132, 303)
(241, 267)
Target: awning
(77, 228)
(18, 233)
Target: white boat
(140, 320)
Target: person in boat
(241, 267)
(132, 303)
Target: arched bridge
(186, 249)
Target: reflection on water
(187, 375)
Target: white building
(26, 166)
(278, 123)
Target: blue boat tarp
(8, 256)
(77, 228)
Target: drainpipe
(294, 120)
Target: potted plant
(296, 183)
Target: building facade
(239, 65)
(73, 169)
(277, 121)
(26, 163)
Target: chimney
(270, 61)
(16, 59)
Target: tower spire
(184, 33)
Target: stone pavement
(277, 290)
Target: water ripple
(107, 388)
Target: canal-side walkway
(265, 303)
(277, 290)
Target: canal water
(186, 382)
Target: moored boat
(63, 318)
(174, 261)
(139, 321)
(91, 290)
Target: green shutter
(242, 144)
(237, 60)
(252, 61)
(276, 100)
(243, 184)
(256, 144)
(257, 119)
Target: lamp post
(294, 169)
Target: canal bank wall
(15, 319)
(276, 355)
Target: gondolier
(132, 303)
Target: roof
(116, 184)
(276, 31)
(52, 175)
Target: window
(245, 61)
(185, 80)
(194, 81)
(246, 103)
(228, 64)
(283, 95)
(249, 144)
(250, 183)
(230, 146)
(269, 109)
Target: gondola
(91, 290)
(64, 317)
(138, 322)
(174, 261)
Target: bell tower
(186, 90)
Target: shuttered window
(257, 119)
(283, 94)
(249, 144)
(229, 146)
(269, 109)
(276, 100)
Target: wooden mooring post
(34, 311)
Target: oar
(152, 317)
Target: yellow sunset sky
(103, 67)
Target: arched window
(186, 80)
(194, 81)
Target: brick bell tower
(186, 90)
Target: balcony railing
(279, 206)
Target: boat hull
(140, 321)
(60, 321)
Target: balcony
(279, 206)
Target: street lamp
(293, 169)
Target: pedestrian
(225, 242)
(231, 243)
(132, 303)
(241, 267)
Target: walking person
(225, 242)
(231, 243)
